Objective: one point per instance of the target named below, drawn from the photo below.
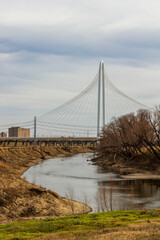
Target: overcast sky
(50, 51)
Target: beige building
(19, 132)
(3, 134)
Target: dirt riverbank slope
(140, 168)
(21, 200)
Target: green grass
(74, 225)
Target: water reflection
(132, 194)
(103, 190)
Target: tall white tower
(101, 98)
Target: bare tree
(132, 135)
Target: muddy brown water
(75, 177)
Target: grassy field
(141, 224)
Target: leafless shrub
(86, 202)
(70, 195)
(101, 199)
(106, 200)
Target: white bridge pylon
(101, 96)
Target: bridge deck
(5, 142)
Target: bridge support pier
(5, 144)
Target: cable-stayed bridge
(84, 115)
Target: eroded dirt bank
(140, 168)
(21, 200)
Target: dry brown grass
(141, 231)
(4, 165)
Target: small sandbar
(141, 176)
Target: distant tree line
(132, 135)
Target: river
(75, 177)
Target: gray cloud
(125, 44)
(50, 50)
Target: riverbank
(141, 176)
(117, 225)
(21, 200)
(135, 168)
